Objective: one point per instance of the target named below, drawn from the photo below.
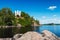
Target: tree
(7, 16)
(25, 15)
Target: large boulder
(46, 35)
(31, 36)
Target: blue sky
(46, 11)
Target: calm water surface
(53, 28)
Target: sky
(46, 11)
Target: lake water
(53, 28)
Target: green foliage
(25, 22)
(25, 15)
(7, 18)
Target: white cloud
(52, 20)
(54, 15)
(52, 7)
(44, 17)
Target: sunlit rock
(31, 36)
(45, 35)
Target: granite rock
(45, 35)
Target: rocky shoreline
(45, 35)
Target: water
(53, 28)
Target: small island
(12, 23)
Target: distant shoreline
(51, 24)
